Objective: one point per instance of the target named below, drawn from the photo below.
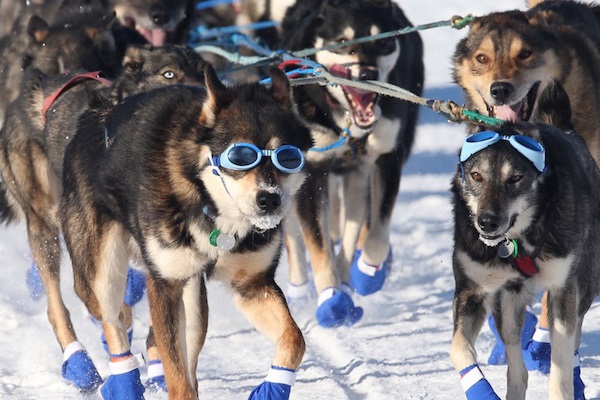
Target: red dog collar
(95, 75)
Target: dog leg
(509, 315)
(196, 322)
(313, 216)
(296, 251)
(469, 315)
(563, 306)
(45, 247)
(355, 186)
(168, 323)
(263, 304)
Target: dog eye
(525, 54)
(169, 74)
(482, 59)
(515, 178)
(476, 176)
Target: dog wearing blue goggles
(526, 146)
(245, 156)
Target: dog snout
(268, 201)
(501, 91)
(488, 222)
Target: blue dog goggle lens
(245, 156)
(528, 147)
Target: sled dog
(39, 125)
(526, 212)
(192, 183)
(369, 165)
(507, 59)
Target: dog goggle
(245, 156)
(529, 148)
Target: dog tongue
(509, 113)
(156, 37)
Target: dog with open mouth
(367, 167)
(507, 58)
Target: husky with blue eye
(527, 216)
(194, 183)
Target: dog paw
(136, 285)
(367, 279)
(35, 285)
(277, 385)
(475, 386)
(537, 353)
(79, 369)
(156, 382)
(336, 307)
(124, 381)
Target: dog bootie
(475, 386)
(156, 377)
(124, 381)
(136, 285)
(365, 278)
(537, 352)
(578, 385)
(35, 285)
(277, 385)
(336, 307)
(79, 369)
(498, 354)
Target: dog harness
(95, 75)
(520, 261)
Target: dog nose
(160, 16)
(501, 91)
(268, 201)
(367, 74)
(488, 222)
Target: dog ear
(216, 97)
(38, 29)
(554, 107)
(133, 61)
(280, 88)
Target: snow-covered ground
(399, 350)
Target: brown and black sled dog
(39, 125)
(508, 58)
(194, 184)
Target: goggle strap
(214, 163)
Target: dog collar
(96, 75)
(520, 261)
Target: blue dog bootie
(475, 386)
(578, 385)
(79, 369)
(156, 382)
(277, 385)
(498, 353)
(136, 285)
(537, 352)
(365, 278)
(124, 381)
(336, 307)
(35, 285)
